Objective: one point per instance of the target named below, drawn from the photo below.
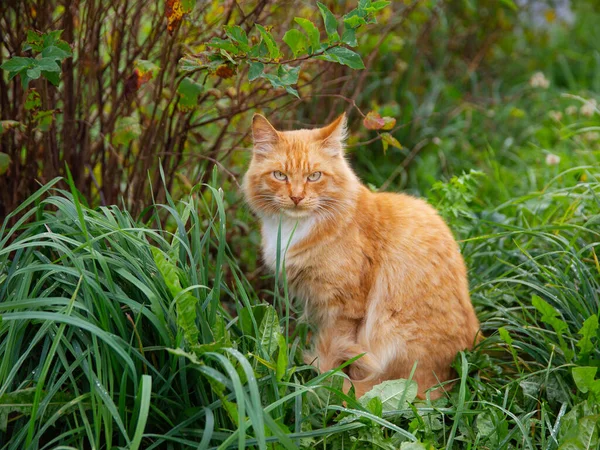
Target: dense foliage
(152, 325)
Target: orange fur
(379, 273)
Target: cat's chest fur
(292, 232)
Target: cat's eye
(280, 175)
(314, 176)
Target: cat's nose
(296, 200)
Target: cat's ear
(264, 136)
(334, 135)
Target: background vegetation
(135, 312)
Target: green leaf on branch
(345, 56)
(354, 20)
(288, 74)
(269, 41)
(188, 91)
(17, 64)
(256, 70)
(34, 73)
(378, 6)
(311, 30)
(52, 77)
(285, 77)
(388, 139)
(224, 44)
(297, 41)
(55, 52)
(331, 23)
(126, 130)
(238, 36)
(48, 65)
(349, 37)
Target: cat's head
(299, 173)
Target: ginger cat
(379, 273)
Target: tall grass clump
(118, 333)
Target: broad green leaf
(35, 41)
(288, 74)
(584, 434)
(269, 331)
(394, 394)
(297, 41)
(126, 130)
(269, 41)
(349, 37)
(354, 19)
(185, 303)
(220, 332)
(51, 37)
(585, 381)
(17, 64)
(330, 22)
(582, 421)
(48, 65)
(224, 44)
(256, 70)
(52, 77)
(551, 317)
(248, 317)
(34, 73)
(291, 90)
(413, 446)
(55, 53)
(238, 36)
(375, 406)
(344, 56)
(588, 332)
(485, 425)
(203, 60)
(4, 159)
(188, 91)
(312, 31)
(549, 314)
(379, 5)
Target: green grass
(118, 333)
